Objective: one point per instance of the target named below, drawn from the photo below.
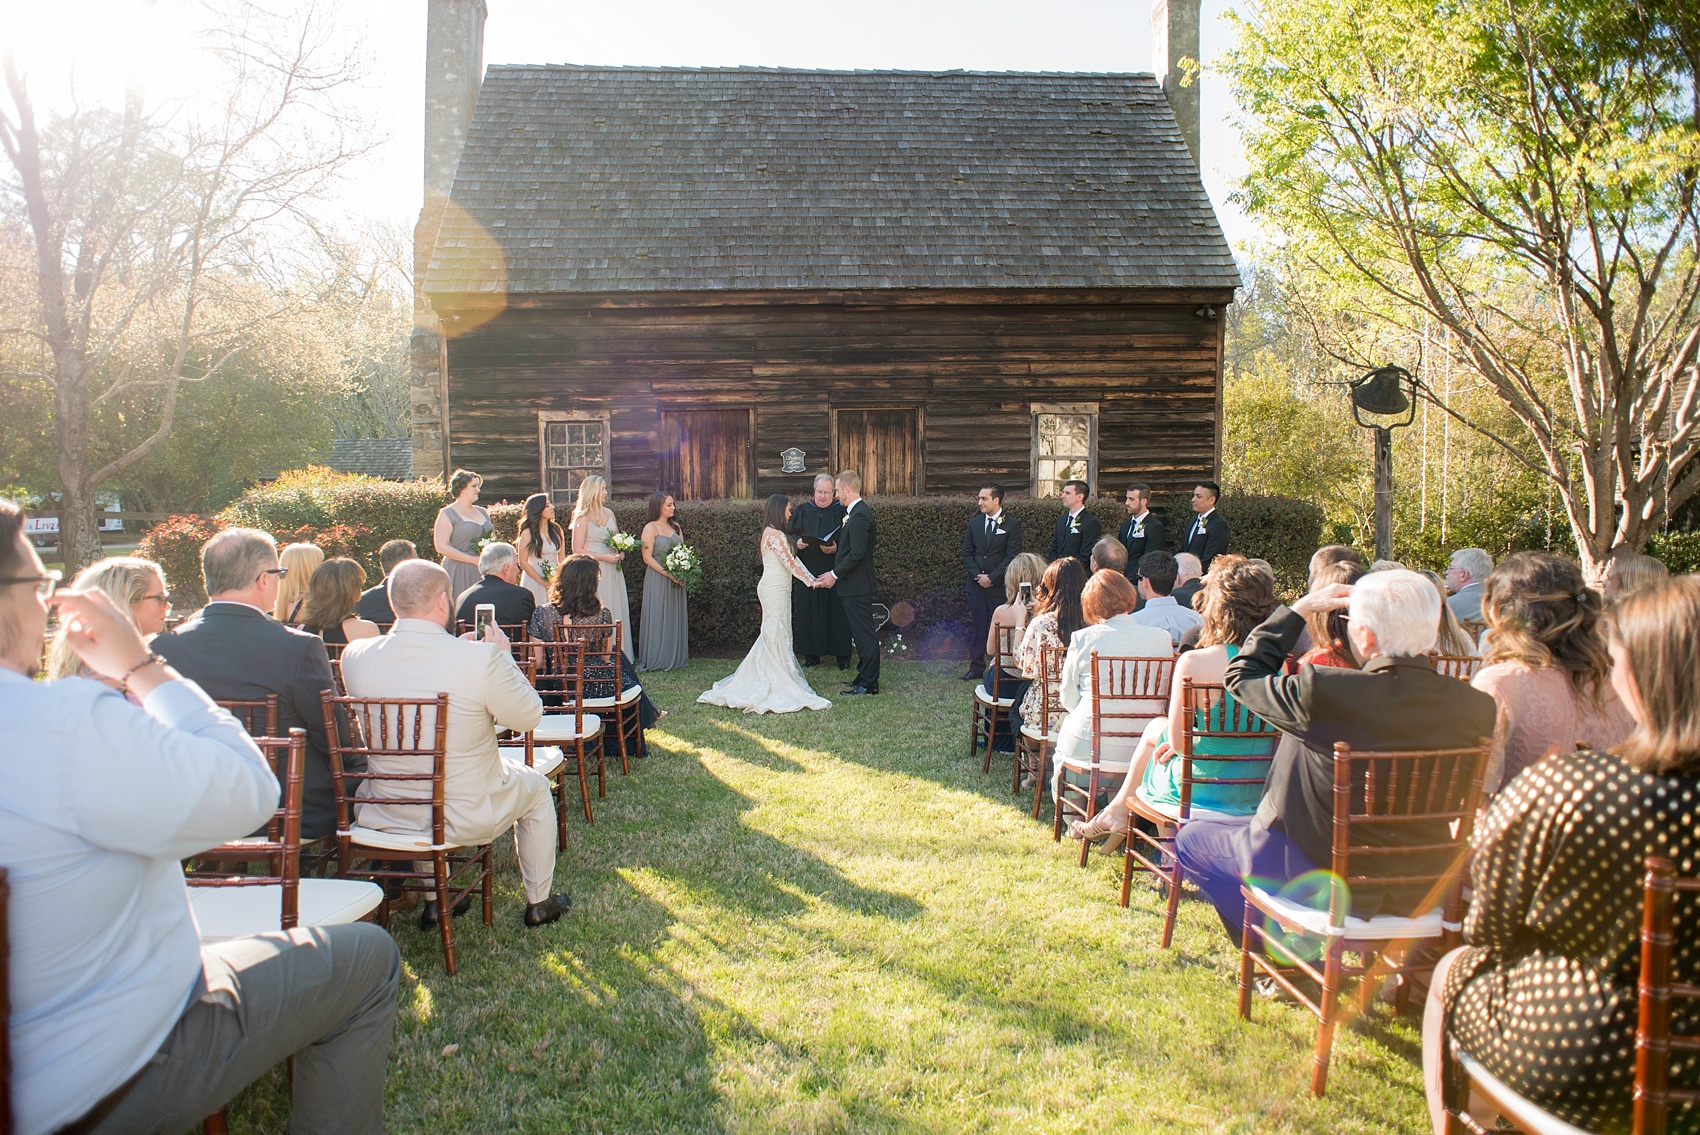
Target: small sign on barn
(791, 460)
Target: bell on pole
(1388, 394)
(1378, 392)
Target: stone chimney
(454, 70)
(1174, 37)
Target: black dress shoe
(428, 912)
(857, 691)
(547, 911)
(972, 675)
(811, 662)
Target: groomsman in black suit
(991, 541)
(1077, 529)
(852, 577)
(1208, 536)
(1141, 532)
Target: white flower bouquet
(685, 565)
(623, 542)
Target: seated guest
(298, 563)
(1451, 637)
(135, 586)
(120, 1019)
(1332, 554)
(484, 792)
(1109, 554)
(1110, 632)
(1237, 597)
(1465, 573)
(499, 564)
(1630, 571)
(574, 600)
(1005, 669)
(1327, 629)
(1546, 665)
(374, 605)
(235, 653)
(1156, 584)
(1544, 995)
(1396, 701)
(328, 610)
(1056, 617)
(1189, 580)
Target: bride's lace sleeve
(775, 539)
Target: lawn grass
(835, 922)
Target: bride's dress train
(769, 680)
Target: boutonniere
(1074, 524)
(1203, 523)
(1139, 530)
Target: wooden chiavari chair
(1388, 806)
(230, 904)
(558, 675)
(603, 660)
(404, 741)
(1654, 1043)
(989, 710)
(257, 715)
(1034, 743)
(1208, 715)
(1126, 693)
(1474, 628)
(1460, 666)
(518, 634)
(549, 760)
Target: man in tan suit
(483, 792)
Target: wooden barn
(723, 281)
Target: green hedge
(1680, 551)
(917, 561)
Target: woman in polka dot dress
(1544, 996)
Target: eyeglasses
(162, 597)
(45, 585)
(280, 572)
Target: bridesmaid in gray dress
(593, 523)
(663, 636)
(459, 526)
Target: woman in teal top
(1236, 598)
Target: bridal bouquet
(685, 565)
(623, 542)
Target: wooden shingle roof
(389, 458)
(597, 179)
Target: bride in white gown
(769, 680)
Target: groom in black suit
(1077, 529)
(991, 541)
(852, 577)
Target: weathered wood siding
(969, 363)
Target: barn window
(573, 445)
(1065, 446)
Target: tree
(1524, 175)
(149, 228)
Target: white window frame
(545, 418)
(1087, 409)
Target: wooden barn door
(883, 446)
(707, 454)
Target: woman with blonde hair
(1238, 595)
(1544, 996)
(135, 586)
(1630, 571)
(1005, 669)
(592, 524)
(1453, 638)
(328, 609)
(299, 562)
(1546, 664)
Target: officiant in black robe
(818, 625)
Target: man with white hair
(1465, 574)
(1189, 579)
(484, 792)
(1396, 701)
(499, 564)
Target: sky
(98, 45)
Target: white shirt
(1198, 522)
(99, 801)
(1164, 613)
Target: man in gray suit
(1465, 574)
(484, 792)
(235, 651)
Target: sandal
(1096, 828)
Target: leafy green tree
(1523, 176)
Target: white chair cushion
(626, 698)
(559, 727)
(545, 758)
(1380, 928)
(1032, 733)
(1514, 1107)
(984, 698)
(396, 841)
(223, 913)
(1172, 812)
(1084, 764)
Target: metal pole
(1383, 493)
